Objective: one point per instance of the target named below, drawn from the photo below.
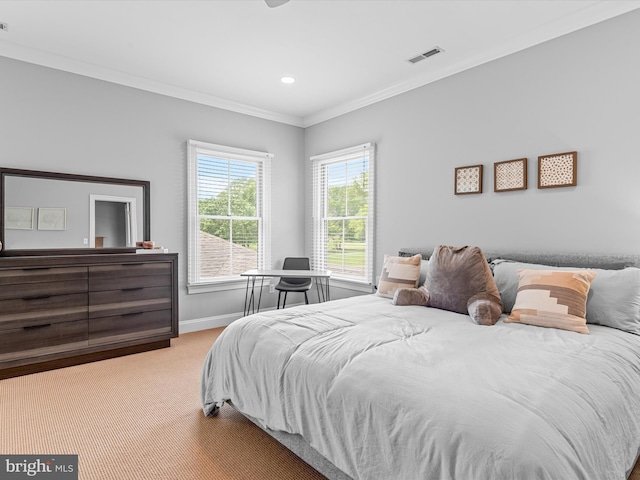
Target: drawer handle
(132, 264)
(37, 297)
(132, 314)
(33, 327)
(30, 269)
(132, 289)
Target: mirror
(43, 211)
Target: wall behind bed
(577, 92)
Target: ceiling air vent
(424, 55)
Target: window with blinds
(343, 213)
(229, 215)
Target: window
(343, 213)
(229, 228)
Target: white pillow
(614, 296)
(424, 268)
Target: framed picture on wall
(18, 218)
(510, 175)
(558, 170)
(52, 218)
(468, 179)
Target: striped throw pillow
(398, 272)
(553, 298)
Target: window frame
(319, 207)
(263, 193)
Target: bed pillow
(553, 298)
(455, 275)
(613, 300)
(398, 272)
(505, 274)
(424, 266)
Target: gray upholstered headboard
(606, 261)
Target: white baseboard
(206, 323)
(197, 324)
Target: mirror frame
(16, 172)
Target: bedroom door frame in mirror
(130, 223)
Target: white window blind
(343, 213)
(229, 225)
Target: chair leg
(279, 293)
(306, 299)
(285, 299)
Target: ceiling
(344, 54)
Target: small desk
(321, 280)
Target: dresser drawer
(129, 295)
(122, 270)
(123, 327)
(128, 283)
(42, 290)
(129, 308)
(21, 312)
(43, 339)
(40, 275)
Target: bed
(364, 389)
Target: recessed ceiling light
(287, 80)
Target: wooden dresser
(57, 311)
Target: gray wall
(579, 92)
(61, 122)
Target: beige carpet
(139, 417)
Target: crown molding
(586, 17)
(66, 64)
(595, 13)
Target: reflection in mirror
(112, 221)
(71, 212)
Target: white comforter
(389, 392)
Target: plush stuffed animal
(458, 279)
(484, 308)
(411, 296)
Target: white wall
(62, 122)
(579, 92)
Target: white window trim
(333, 157)
(194, 148)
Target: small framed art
(558, 170)
(510, 175)
(468, 180)
(18, 218)
(52, 218)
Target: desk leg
(323, 289)
(260, 296)
(250, 299)
(327, 280)
(246, 298)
